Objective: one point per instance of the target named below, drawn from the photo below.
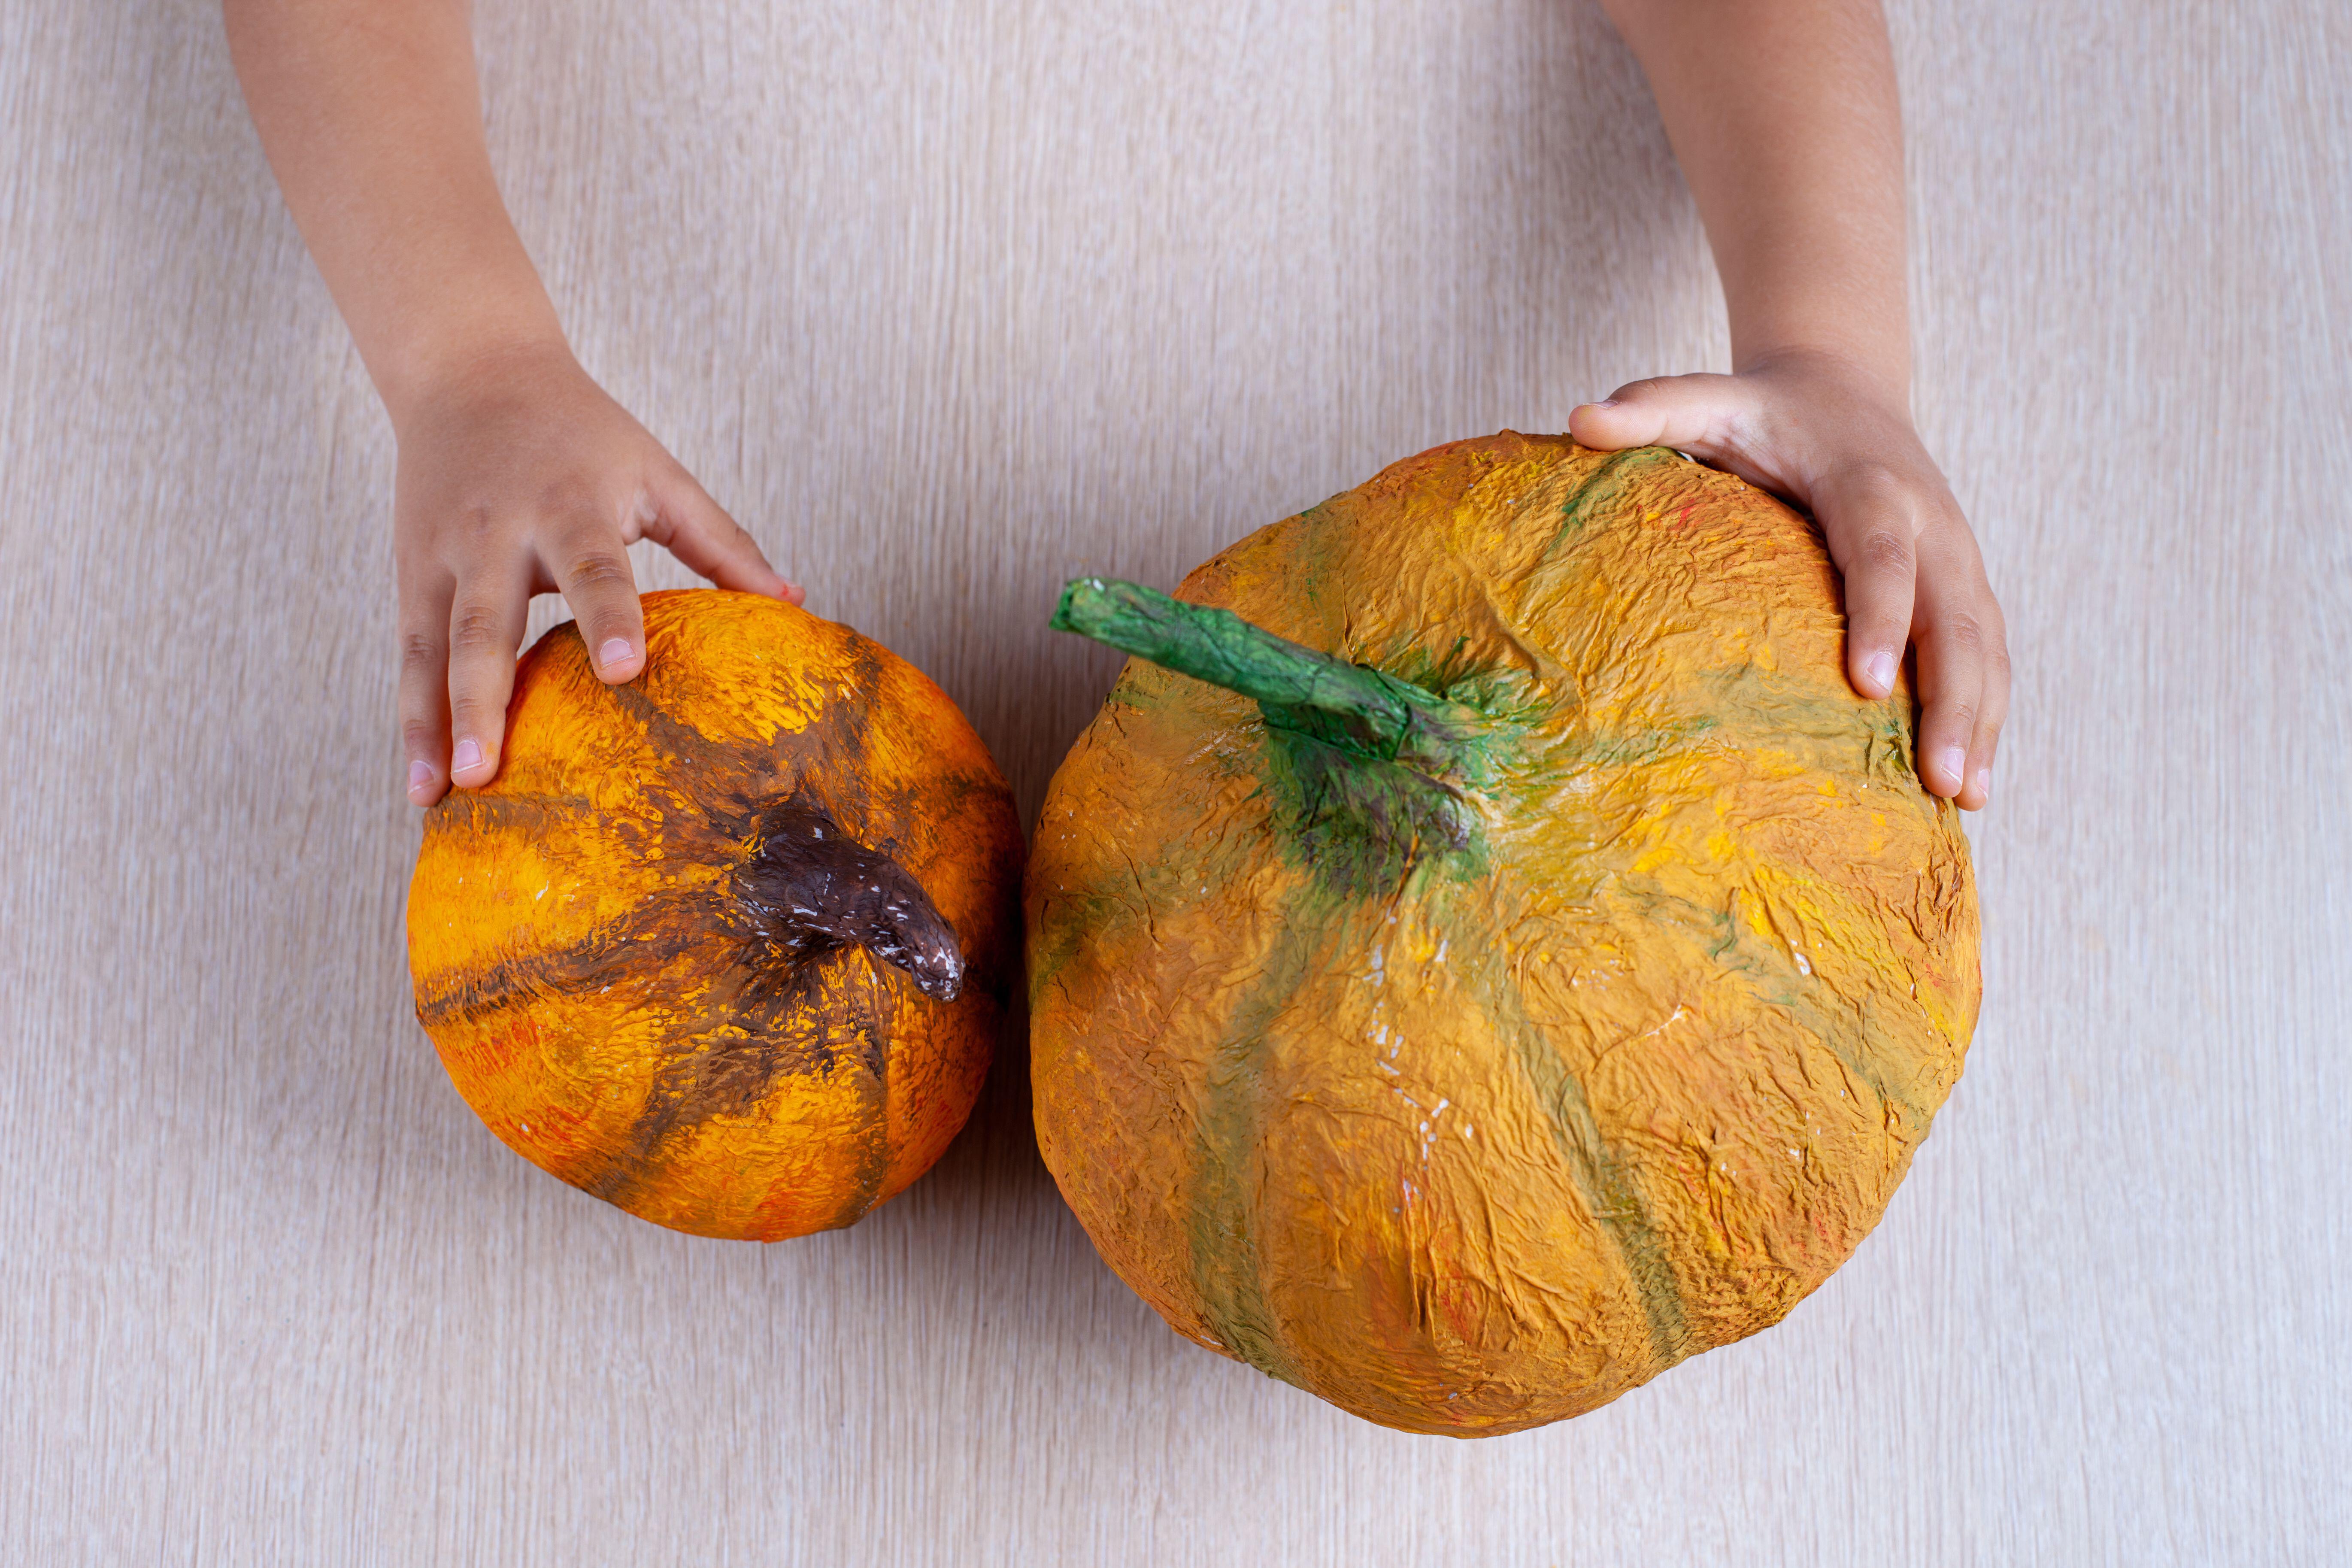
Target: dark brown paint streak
(605, 958)
(761, 1023)
(793, 1000)
(463, 811)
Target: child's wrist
(1866, 367)
(464, 355)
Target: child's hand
(1812, 429)
(520, 477)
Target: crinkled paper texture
(1479, 1141)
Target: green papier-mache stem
(1368, 822)
(1298, 688)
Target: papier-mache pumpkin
(729, 945)
(1482, 951)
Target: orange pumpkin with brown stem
(726, 946)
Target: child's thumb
(1694, 414)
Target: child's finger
(698, 531)
(486, 622)
(1865, 515)
(1951, 634)
(590, 564)
(1994, 710)
(1694, 414)
(424, 595)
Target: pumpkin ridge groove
(872, 1027)
(1226, 1270)
(729, 1072)
(1725, 936)
(527, 812)
(835, 741)
(1592, 1166)
(1571, 508)
(1765, 977)
(470, 994)
(667, 732)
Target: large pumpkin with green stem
(729, 945)
(1483, 952)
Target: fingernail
(1606, 402)
(420, 777)
(1882, 671)
(616, 650)
(1984, 784)
(1954, 760)
(467, 757)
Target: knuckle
(596, 571)
(1659, 391)
(568, 495)
(1945, 517)
(475, 629)
(477, 526)
(1993, 711)
(420, 654)
(1881, 488)
(474, 708)
(1965, 633)
(1873, 474)
(1883, 551)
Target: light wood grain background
(948, 301)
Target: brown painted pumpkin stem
(814, 889)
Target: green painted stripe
(1755, 709)
(1766, 967)
(1572, 510)
(1600, 1177)
(1772, 976)
(1228, 1272)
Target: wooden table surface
(948, 301)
